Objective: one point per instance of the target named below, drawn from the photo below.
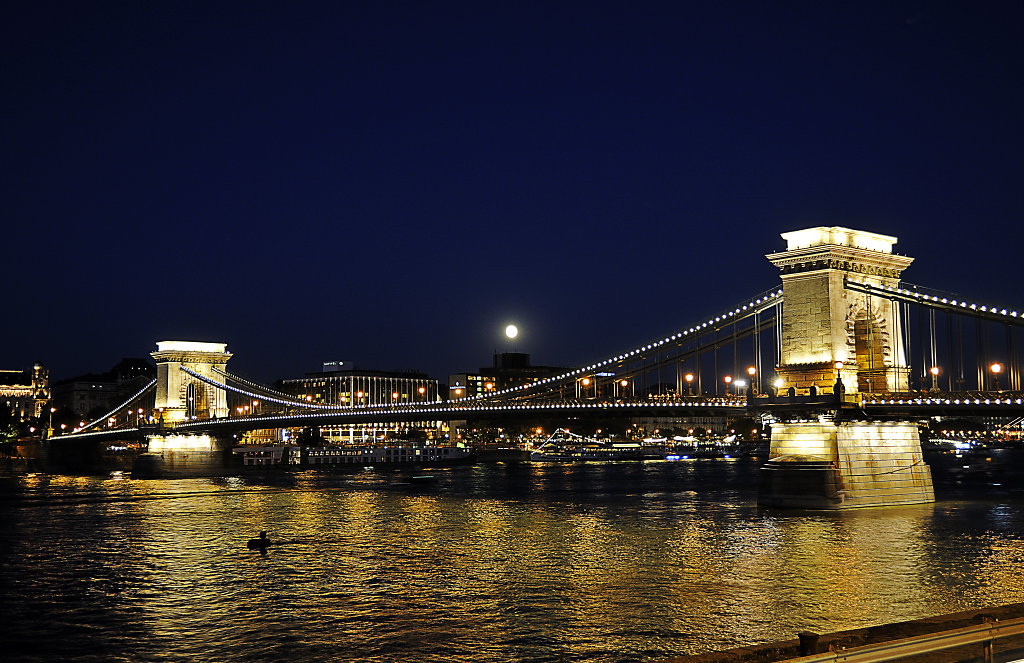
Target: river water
(493, 562)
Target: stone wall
(881, 463)
(878, 463)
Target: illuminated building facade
(25, 393)
(341, 383)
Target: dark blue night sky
(392, 183)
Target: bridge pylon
(829, 331)
(835, 340)
(181, 397)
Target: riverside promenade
(1004, 650)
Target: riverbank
(788, 649)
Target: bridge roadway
(870, 407)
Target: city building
(509, 369)
(97, 393)
(342, 383)
(25, 393)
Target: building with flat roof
(343, 384)
(508, 370)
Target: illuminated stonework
(823, 323)
(846, 465)
(180, 396)
(182, 456)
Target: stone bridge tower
(829, 331)
(820, 457)
(182, 397)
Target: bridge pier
(829, 465)
(182, 456)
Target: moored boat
(397, 454)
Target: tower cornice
(840, 257)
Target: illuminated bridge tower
(181, 397)
(833, 336)
(824, 325)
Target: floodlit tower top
(837, 235)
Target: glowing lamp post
(689, 384)
(728, 383)
(934, 370)
(996, 370)
(752, 372)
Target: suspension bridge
(843, 359)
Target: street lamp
(689, 384)
(751, 371)
(934, 370)
(728, 383)
(996, 370)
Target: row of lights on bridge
(757, 303)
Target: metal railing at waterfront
(984, 634)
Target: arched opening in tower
(869, 344)
(196, 401)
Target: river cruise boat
(396, 454)
(567, 447)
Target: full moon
(511, 331)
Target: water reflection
(597, 562)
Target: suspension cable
(111, 413)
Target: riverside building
(342, 383)
(25, 393)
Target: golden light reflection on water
(367, 567)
